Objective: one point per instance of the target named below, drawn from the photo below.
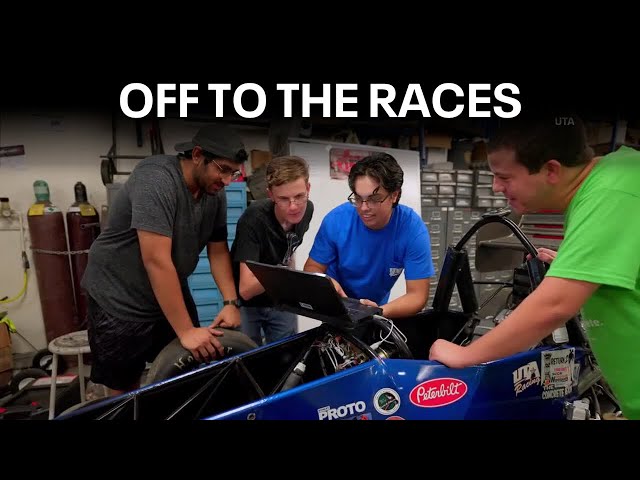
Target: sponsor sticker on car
(438, 392)
(525, 376)
(342, 411)
(386, 401)
(557, 372)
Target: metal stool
(75, 343)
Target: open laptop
(311, 295)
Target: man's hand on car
(202, 343)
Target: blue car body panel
(396, 389)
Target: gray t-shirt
(154, 198)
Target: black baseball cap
(219, 140)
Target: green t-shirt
(602, 245)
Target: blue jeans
(274, 324)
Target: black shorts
(121, 348)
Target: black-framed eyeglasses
(374, 200)
(297, 200)
(227, 172)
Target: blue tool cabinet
(203, 288)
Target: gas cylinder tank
(83, 227)
(50, 257)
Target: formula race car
(359, 365)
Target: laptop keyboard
(354, 306)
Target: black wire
(491, 297)
(596, 403)
(610, 395)
(509, 300)
(322, 364)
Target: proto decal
(350, 409)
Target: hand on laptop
(364, 301)
(338, 288)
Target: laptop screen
(305, 293)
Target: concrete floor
(22, 361)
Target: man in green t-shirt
(546, 166)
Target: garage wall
(63, 148)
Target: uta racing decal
(526, 376)
(438, 392)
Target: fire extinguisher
(83, 227)
(51, 260)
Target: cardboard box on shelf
(432, 140)
(259, 158)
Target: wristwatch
(233, 302)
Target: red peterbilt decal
(438, 392)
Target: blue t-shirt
(367, 263)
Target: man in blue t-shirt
(365, 245)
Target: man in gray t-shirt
(168, 211)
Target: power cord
(382, 340)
